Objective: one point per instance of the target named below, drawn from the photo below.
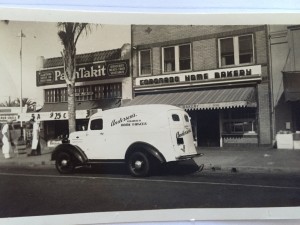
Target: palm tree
(69, 34)
(26, 102)
(30, 104)
(8, 103)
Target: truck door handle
(77, 137)
(101, 133)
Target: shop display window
(239, 121)
(145, 62)
(176, 58)
(236, 50)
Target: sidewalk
(265, 160)
(255, 159)
(22, 159)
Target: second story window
(145, 62)
(169, 59)
(85, 93)
(176, 58)
(236, 50)
(184, 57)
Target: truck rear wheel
(139, 164)
(64, 163)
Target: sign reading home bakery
(209, 76)
(88, 72)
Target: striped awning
(204, 99)
(103, 104)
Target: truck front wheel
(139, 164)
(64, 163)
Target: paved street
(42, 191)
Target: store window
(52, 95)
(176, 58)
(64, 95)
(239, 121)
(85, 93)
(145, 62)
(236, 50)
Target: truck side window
(186, 118)
(175, 117)
(97, 124)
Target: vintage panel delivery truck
(144, 137)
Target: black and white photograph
(101, 118)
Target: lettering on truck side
(181, 134)
(122, 119)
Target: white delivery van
(143, 137)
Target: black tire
(64, 163)
(139, 164)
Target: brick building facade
(218, 74)
(285, 79)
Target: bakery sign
(205, 77)
(87, 72)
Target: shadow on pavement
(174, 168)
(107, 169)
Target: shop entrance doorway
(296, 113)
(208, 131)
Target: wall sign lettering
(89, 72)
(220, 75)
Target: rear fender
(147, 148)
(73, 150)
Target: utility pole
(21, 36)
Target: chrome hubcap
(64, 162)
(138, 164)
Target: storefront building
(19, 131)
(285, 71)
(218, 74)
(103, 81)
(10, 113)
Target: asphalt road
(42, 191)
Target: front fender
(73, 150)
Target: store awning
(291, 84)
(59, 111)
(84, 105)
(204, 99)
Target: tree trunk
(71, 108)
(70, 75)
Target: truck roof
(147, 108)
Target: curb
(249, 169)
